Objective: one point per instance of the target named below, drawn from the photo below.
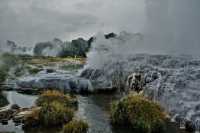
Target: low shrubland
(139, 114)
(76, 126)
(55, 110)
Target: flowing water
(93, 108)
(173, 80)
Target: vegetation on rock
(139, 114)
(51, 95)
(76, 126)
(55, 114)
(56, 109)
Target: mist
(172, 26)
(168, 26)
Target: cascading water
(171, 80)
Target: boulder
(135, 82)
(189, 126)
(15, 107)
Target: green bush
(139, 114)
(54, 114)
(76, 127)
(49, 96)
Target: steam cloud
(172, 26)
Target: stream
(92, 108)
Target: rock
(110, 35)
(56, 81)
(17, 120)
(189, 126)
(50, 70)
(15, 107)
(6, 114)
(135, 82)
(4, 121)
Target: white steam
(107, 51)
(172, 26)
(13, 48)
(54, 50)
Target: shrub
(49, 96)
(54, 114)
(76, 126)
(139, 114)
(55, 109)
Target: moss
(138, 113)
(52, 95)
(54, 114)
(76, 126)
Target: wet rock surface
(15, 113)
(56, 80)
(171, 80)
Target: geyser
(173, 80)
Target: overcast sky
(30, 21)
(171, 23)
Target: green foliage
(49, 96)
(55, 114)
(138, 113)
(76, 127)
